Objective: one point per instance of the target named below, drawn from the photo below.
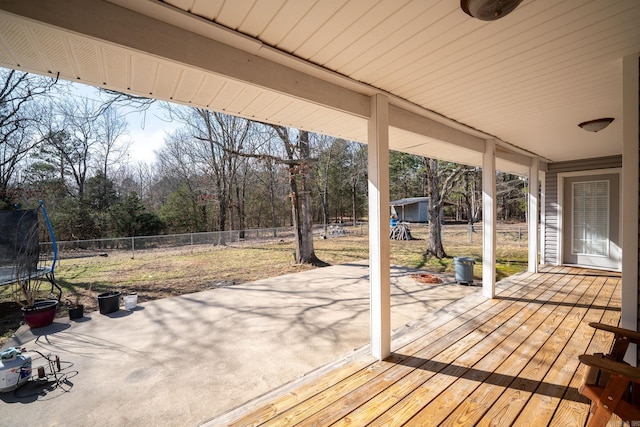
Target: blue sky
(146, 130)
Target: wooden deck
(512, 360)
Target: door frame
(561, 209)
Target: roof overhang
(105, 45)
(192, 53)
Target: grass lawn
(161, 273)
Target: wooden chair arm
(634, 336)
(611, 366)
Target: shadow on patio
(183, 360)
(512, 360)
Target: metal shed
(411, 209)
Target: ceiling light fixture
(596, 125)
(488, 10)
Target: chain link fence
(518, 233)
(96, 247)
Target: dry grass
(155, 274)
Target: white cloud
(147, 132)
(144, 143)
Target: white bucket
(130, 301)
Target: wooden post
(379, 246)
(542, 241)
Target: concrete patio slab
(183, 360)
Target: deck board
(513, 366)
(436, 368)
(543, 403)
(512, 356)
(524, 312)
(511, 360)
(506, 410)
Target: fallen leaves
(426, 278)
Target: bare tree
(223, 139)
(111, 148)
(299, 161)
(225, 143)
(68, 141)
(511, 193)
(216, 150)
(115, 98)
(180, 180)
(77, 135)
(340, 178)
(327, 147)
(467, 191)
(138, 177)
(357, 176)
(440, 179)
(270, 172)
(18, 119)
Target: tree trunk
(325, 206)
(295, 217)
(434, 247)
(467, 201)
(306, 251)
(240, 209)
(272, 203)
(354, 207)
(301, 206)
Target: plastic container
(41, 314)
(464, 269)
(76, 312)
(15, 369)
(130, 301)
(109, 302)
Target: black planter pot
(109, 302)
(76, 312)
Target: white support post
(533, 215)
(542, 242)
(379, 245)
(630, 175)
(489, 219)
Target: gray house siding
(551, 197)
(413, 209)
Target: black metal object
(488, 10)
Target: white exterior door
(591, 220)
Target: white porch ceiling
(526, 80)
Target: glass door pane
(590, 212)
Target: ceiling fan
(488, 10)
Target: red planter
(40, 314)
